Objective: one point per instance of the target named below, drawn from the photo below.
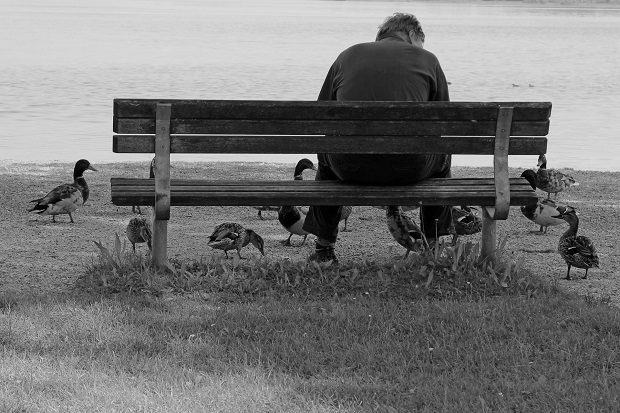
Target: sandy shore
(38, 256)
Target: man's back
(390, 69)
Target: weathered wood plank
(161, 186)
(366, 127)
(472, 145)
(320, 193)
(500, 163)
(322, 110)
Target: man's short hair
(400, 22)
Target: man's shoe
(324, 254)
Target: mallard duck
(543, 212)
(345, 214)
(577, 250)
(138, 231)
(65, 198)
(403, 229)
(464, 222)
(136, 208)
(292, 217)
(232, 236)
(552, 180)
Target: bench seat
(437, 191)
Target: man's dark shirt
(386, 70)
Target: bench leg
(489, 237)
(160, 243)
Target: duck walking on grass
(65, 198)
(577, 250)
(232, 236)
(464, 222)
(552, 180)
(403, 229)
(544, 211)
(139, 231)
(292, 217)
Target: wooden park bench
(167, 127)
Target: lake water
(63, 61)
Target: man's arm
(328, 92)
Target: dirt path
(39, 256)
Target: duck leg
(585, 276)
(54, 218)
(260, 215)
(568, 273)
(71, 218)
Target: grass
(430, 333)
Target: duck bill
(91, 168)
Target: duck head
(567, 213)
(302, 165)
(542, 161)
(530, 175)
(81, 166)
(256, 240)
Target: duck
(292, 217)
(576, 250)
(544, 211)
(402, 228)
(232, 236)
(552, 180)
(345, 213)
(136, 208)
(139, 231)
(464, 222)
(65, 198)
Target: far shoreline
(581, 4)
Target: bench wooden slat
(329, 127)
(473, 145)
(312, 110)
(443, 192)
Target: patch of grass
(446, 272)
(282, 336)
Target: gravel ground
(38, 256)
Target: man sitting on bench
(395, 67)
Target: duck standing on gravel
(232, 236)
(544, 211)
(577, 250)
(65, 198)
(552, 180)
(403, 229)
(291, 217)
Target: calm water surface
(64, 61)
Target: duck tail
(38, 208)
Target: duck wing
(583, 246)
(62, 194)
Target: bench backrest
(253, 126)
(241, 126)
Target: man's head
(403, 25)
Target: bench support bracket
(162, 185)
(489, 235)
